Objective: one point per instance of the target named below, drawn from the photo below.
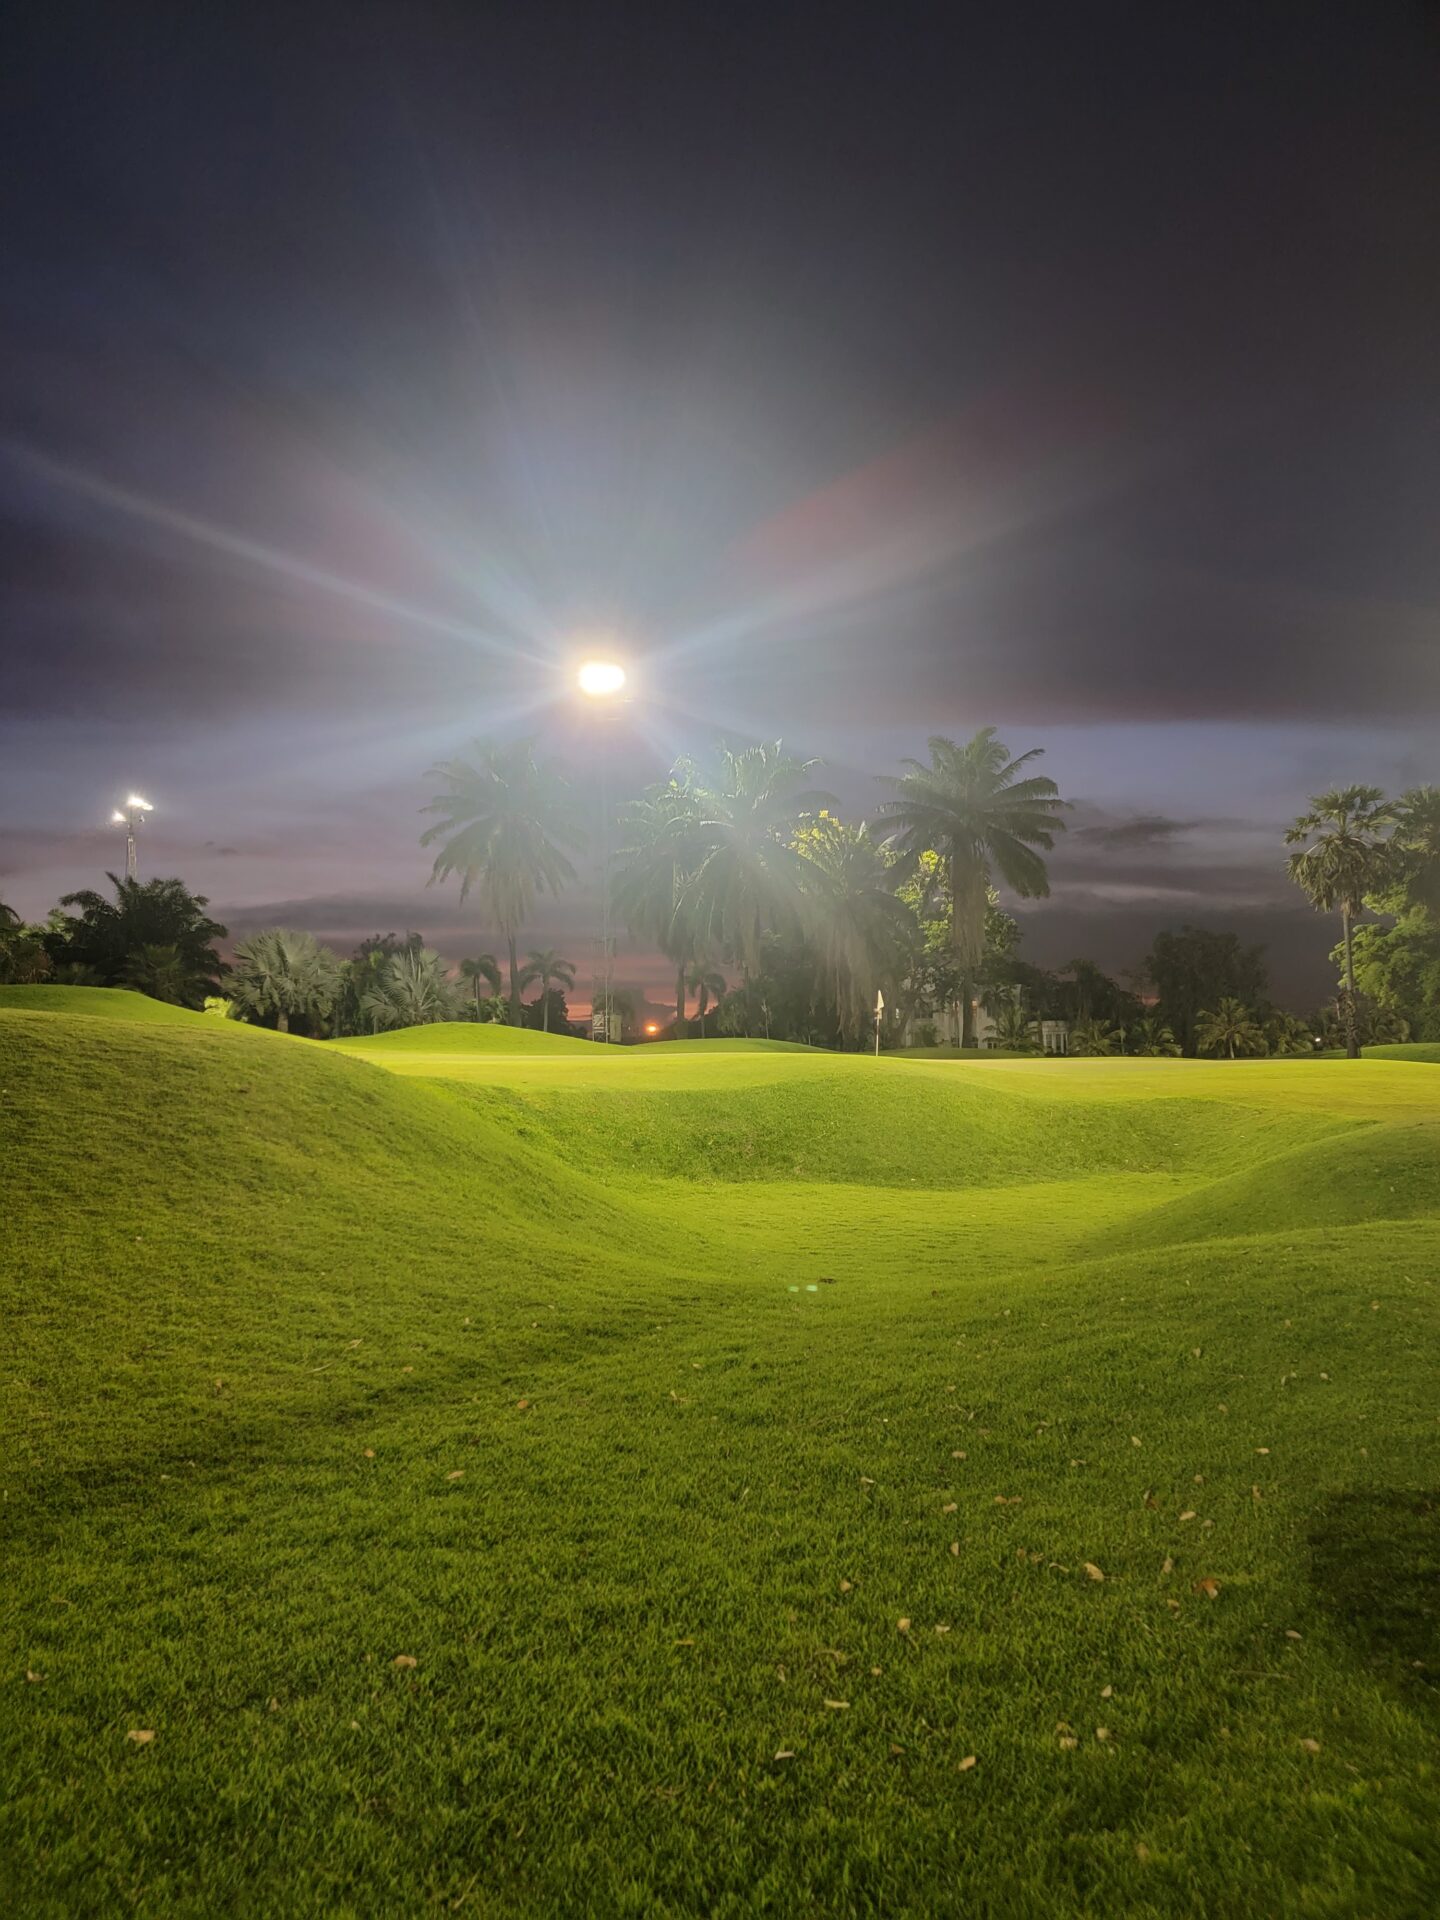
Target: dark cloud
(1145, 830)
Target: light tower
(130, 817)
(602, 681)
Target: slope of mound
(1427, 1050)
(462, 1039)
(1367, 1174)
(729, 1046)
(104, 1003)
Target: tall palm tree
(651, 872)
(1092, 1037)
(505, 823)
(1417, 844)
(748, 876)
(1347, 856)
(707, 985)
(969, 807)
(483, 970)
(550, 970)
(1015, 1027)
(1231, 1029)
(853, 915)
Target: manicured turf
(637, 1398)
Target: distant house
(1053, 1035)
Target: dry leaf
(959, 1456)
(838, 1706)
(405, 1660)
(902, 1626)
(966, 1764)
(952, 1506)
(1068, 1740)
(1102, 1733)
(458, 1474)
(1093, 1571)
(1291, 1634)
(682, 1643)
(955, 1547)
(866, 1481)
(521, 1405)
(784, 1753)
(33, 1678)
(1106, 1692)
(142, 1736)
(1310, 1746)
(1262, 1449)
(1135, 1440)
(369, 1453)
(1199, 1479)
(942, 1629)
(407, 1369)
(1189, 1514)
(1210, 1588)
(845, 1586)
(1167, 1565)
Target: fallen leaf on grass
(784, 1753)
(369, 1453)
(1291, 1634)
(838, 1706)
(966, 1764)
(952, 1506)
(1167, 1565)
(1107, 1693)
(902, 1626)
(521, 1405)
(1210, 1588)
(1189, 1514)
(682, 1643)
(458, 1474)
(1311, 1746)
(142, 1736)
(1093, 1571)
(405, 1660)
(955, 1547)
(33, 1678)
(1135, 1440)
(1102, 1733)
(845, 1585)
(957, 1455)
(1068, 1740)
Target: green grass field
(520, 1478)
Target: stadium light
(134, 811)
(601, 678)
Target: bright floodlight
(136, 801)
(118, 818)
(601, 677)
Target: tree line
(784, 920)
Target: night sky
(872, 372)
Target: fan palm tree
(504, 827)
(483, 970)
(1015, 1028)
(105, 934)
(651, 872)
(747, 876)
(287, 975)
(1092, 1037)
(1154, 1040)
(852, 915)
(410, 990)
(1344, 855)
(1417, 845)
(1231, 1029)
(969, 807)
(160, 970)
(707, 985)
(551, 971)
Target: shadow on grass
(1375, 1563)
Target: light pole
(602, 681)
(133, 814)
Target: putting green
(512, 1477)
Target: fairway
(500, 1474)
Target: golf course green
(470, 1470)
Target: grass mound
(617, 1485)
(100, 1003)
(463, 1037)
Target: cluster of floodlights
(133, 812)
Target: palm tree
(1346, 858)
(287, 975)
(651, 873)
(1287, 1033)
(1154, 1040)
(707, 985)
(160, 970)
(1015, 1029)
(550, 970)
(1092, 1037)
(1417, 846)
(161, 913)
(504, 824)
(852, 915)
(969, 807)
(1231, 1029)
(411, 990)
(483, 970)
(748, 876)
